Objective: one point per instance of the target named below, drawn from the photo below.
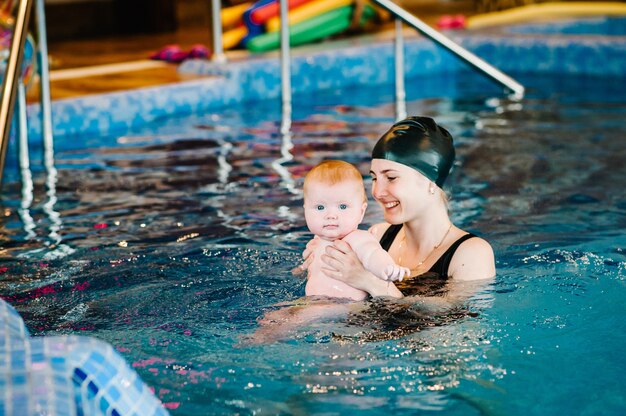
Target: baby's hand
(307, 255)
(310, 248)
(394, 272)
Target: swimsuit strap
(442, 264)
(390, 235)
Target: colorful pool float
(233, 37)
(307, 11)
(309, 30)
(258, 14)
(257, 25)
(233, 16)
(263, 10)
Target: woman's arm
(473, 260)
(341, 263)
(373, 257)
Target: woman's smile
(391, 204)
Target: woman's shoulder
(473, 260)
(377, 230)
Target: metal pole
(285, 66)
(12, 76)
(24, 162)
(400, 89)
(44, 77)
(458, 50)
(286, 156)
(46, 124)
(218, 46)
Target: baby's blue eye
(343, 206)
(320, 207)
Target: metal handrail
(216, 23)
(401, 15)
(44, 79)
(12, 76)
(399, 69)
(464, 54)
(285, 67)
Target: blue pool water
(170, 241)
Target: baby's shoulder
(377, 230)
(359, 236)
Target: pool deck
(198, 86)
(96, 66)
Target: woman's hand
(341, 263)
(307, 255)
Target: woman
(410, 164)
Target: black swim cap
(418, 142)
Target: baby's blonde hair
(332, 172)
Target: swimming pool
(171, 240)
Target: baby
(334, 206)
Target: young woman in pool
(410, 164)
(334, 206)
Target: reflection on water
(183, 234)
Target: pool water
(170, 242)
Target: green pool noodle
(315, 28)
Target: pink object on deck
(170, 53)
(199, 51)
(174, 53)
(457, 21)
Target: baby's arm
(373, 257)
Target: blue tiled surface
(66, 375)
(13, 325)
(341, 64)
(597, 56)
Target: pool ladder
(13, 89)
(14, 93)
(401, 16)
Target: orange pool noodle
(262, 14)
(231, 16)
(231, 38)
(306, 11)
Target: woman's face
(401, 191)
(332, 212)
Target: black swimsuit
(384, 320)
(438, 273)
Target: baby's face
(332, 212)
